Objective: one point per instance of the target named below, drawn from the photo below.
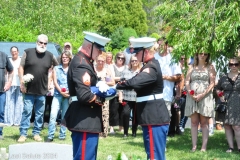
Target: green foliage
(125, 13)
(149, 7)
(202, 26)
(119, 38)
(155, 35)
(177, 147)
(61, 20)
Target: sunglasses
(42, 43)
(205, 54)
(133, 60)
(233, 64)
(120, 58)
(182, 59)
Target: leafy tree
(202, 26)
(125, 13)
(149, 7)
(61, 20)
(119, 38)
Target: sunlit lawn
(178, 147)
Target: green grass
(178, 147)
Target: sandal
(230, 150)
(193, 149)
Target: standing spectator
(152, 112)
(183, 119)
(199, 83)
(128, 97)
(128, 52)
(104, 74)
(49, 96)
(14, 99)
(35, 61)
(84, 115)
(229, 84)
(171, 73)
(60, 97)
(67, 47)
(5, 84)
(115, 108)
(109, 62)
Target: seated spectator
(60, 97)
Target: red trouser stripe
(84, 145)
(151, 143)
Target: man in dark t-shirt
(35, 61)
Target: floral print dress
(199, 82)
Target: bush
(119, 38)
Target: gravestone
(40, 151)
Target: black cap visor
(136, 50)
(100, 47)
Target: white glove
(102, 86)
(114, 87)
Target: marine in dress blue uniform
(152, 113)
(84, 115)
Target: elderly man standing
(84, 115)
(35, 61)
(152, 112)
(5, 84)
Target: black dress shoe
(49, 140)
(179, 132)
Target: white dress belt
(150, 97)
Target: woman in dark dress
(229, 84)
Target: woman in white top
(104, 74)
(109, 62)
(14, 99)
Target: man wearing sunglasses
(35, 61)
(84, 115)
(152, 113)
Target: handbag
(221, 107)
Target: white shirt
(168, 69)
(15, 64)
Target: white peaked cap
(96, 38)
(143, 42)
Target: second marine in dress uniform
(84, 115)
(152, 112)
